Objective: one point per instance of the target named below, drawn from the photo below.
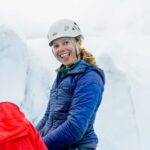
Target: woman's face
(64, 50)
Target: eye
(66, 42)
(55, 46)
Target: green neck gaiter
(64, 70)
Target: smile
(64, 54)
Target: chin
(68, 63)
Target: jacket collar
(79, 66)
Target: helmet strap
(76, 48)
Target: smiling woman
(76, 93)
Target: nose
(61, 47)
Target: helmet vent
(76, 28)
(55, 34)
(66, 28)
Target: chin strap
(76, 48)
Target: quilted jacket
(73, 103)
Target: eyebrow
(64, 39)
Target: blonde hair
(84, 54)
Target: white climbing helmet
(63, 28)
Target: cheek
(73, 51)
(73, 55)
(54, 52)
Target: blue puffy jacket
(74, 100)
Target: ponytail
(87, 56)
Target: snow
(13, 64)
(118, 116)
(28, 71)
(118, 37)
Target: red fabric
(16, 132)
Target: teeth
(63, 55)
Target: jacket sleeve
(43, 120)
(86, 99)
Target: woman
(75, 95)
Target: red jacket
(16, 132)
